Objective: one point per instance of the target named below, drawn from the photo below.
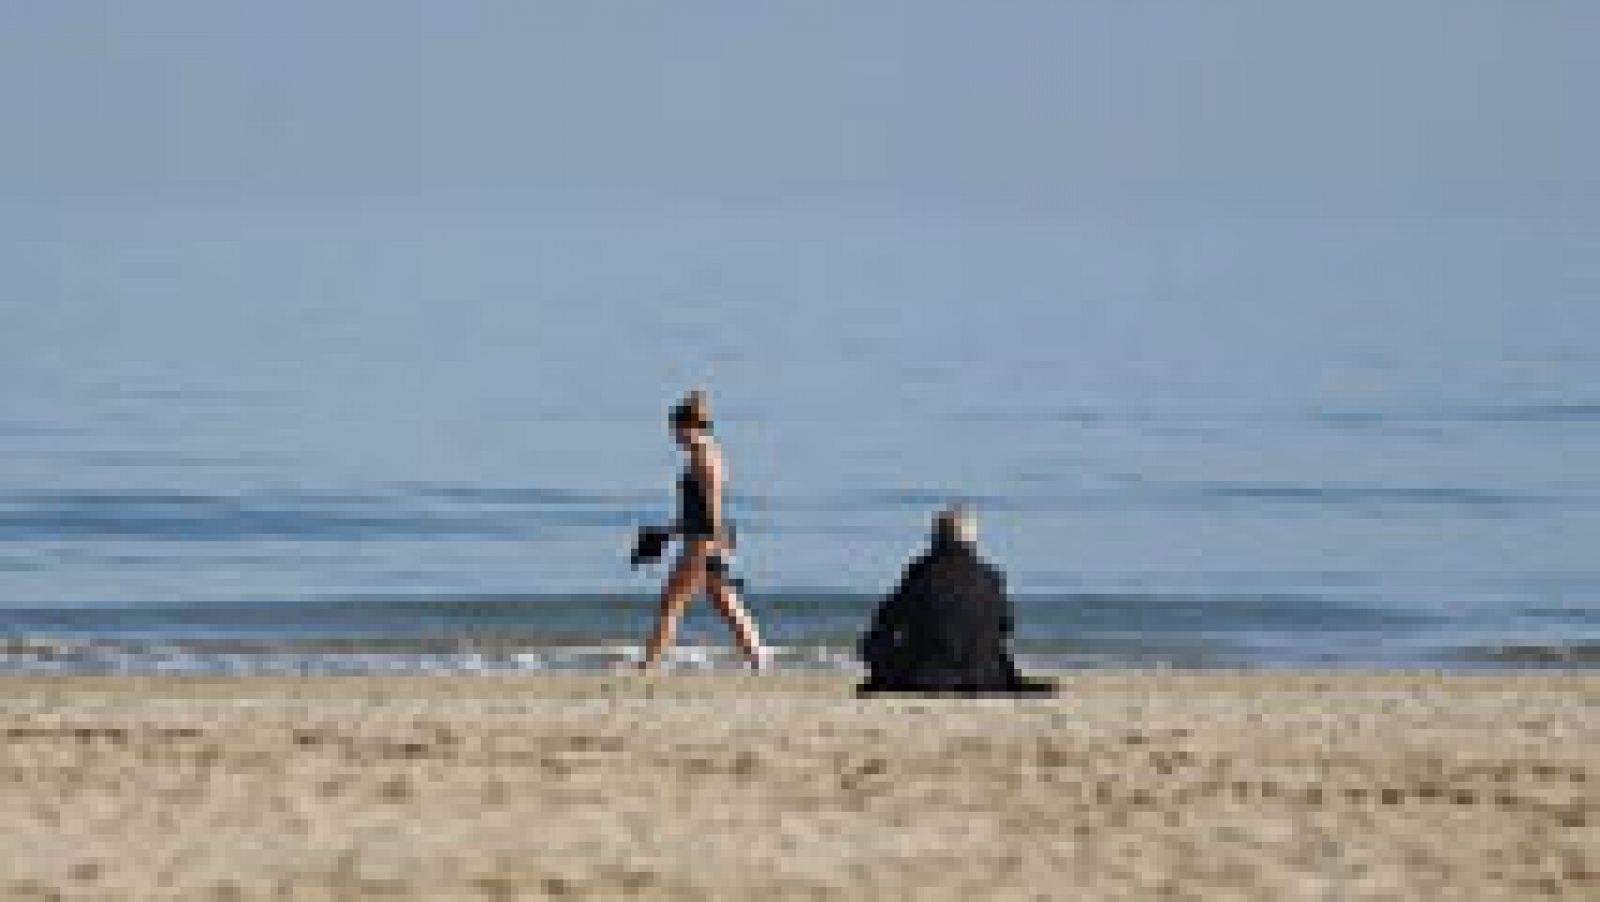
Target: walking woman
(705, 538)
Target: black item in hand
(649, 545)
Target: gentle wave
(1343, 495)
(135, 657)
(585, 632)
(1068, 613)
(1566, 654)
(511, 513)
(1557, 413)
(128, 658)
(1135, 493)
(1551, 412)
(190, 516)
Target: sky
(1452, 107)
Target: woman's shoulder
(705, 453)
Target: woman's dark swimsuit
(694, 522)
(694, 508)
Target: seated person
(944, 628)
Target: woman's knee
(726, 600)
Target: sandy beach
(1174, 785)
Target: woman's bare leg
(681, 585)
(733, 610)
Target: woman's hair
(694, 411)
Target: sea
(378, 435)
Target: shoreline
(815, 629)
(1301, 784)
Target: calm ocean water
(292, 438)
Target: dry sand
(1215, 786)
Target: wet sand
(1203, 786)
